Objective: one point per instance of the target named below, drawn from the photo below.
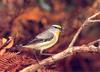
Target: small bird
(45, 39)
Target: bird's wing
(45, 35)
(42, 37)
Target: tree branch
(66, 53)
(83, 25)
(61, 55)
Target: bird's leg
(41, 52)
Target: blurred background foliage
(24, 19)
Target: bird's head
(56, 28)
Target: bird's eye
(55, 27)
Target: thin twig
(91, 43)
(83, 25)
(94, 20)
(91, 17)
(77, 34)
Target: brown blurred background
(24, 19)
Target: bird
(46, 39)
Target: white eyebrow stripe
(58, 26)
